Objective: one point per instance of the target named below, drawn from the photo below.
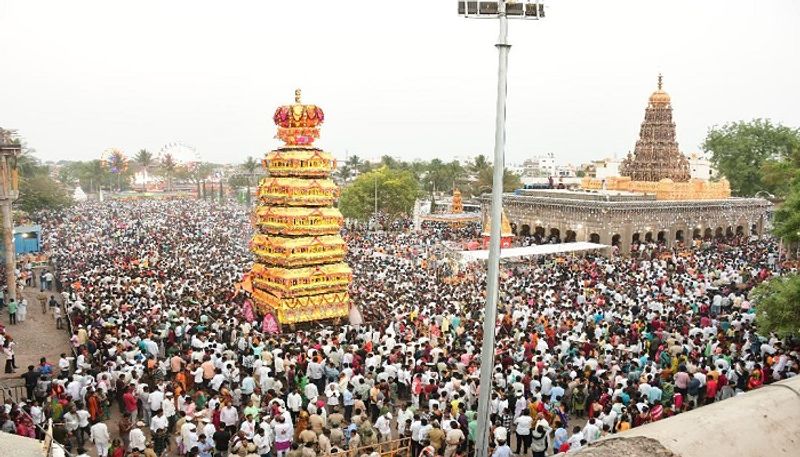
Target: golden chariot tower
(299, 274)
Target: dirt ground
(36, 337)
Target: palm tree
(144, 158)
(354, 161)
(197, 174)
(250, 166)
(344, 172)
(511, 181)
(118, 164)
(479, 163)
(168, 165)
(94, 172)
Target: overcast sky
(409, 78)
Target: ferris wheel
(181, 153)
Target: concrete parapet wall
(764, 422)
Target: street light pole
(500, 10)
(492, 278)
(9, 191)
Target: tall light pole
(500, 10)
(10, 150)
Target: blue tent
(27, 239)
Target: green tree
(354, 162)
(778, 306)
(478, 164)
(168, 167)
(787, 217)
(92, 175)
(195, 173)
(396, 192)
(344, 172)
(40, 191)
(484, 179)
(37, 190)
(144, 159)
(118, 166)
(755, 156)
(250, 166)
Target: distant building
(540, 166)
(656, 194)
(607, 168)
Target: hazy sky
(408, 78)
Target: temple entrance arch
(555, 234)
(525, 230)
(661, 237)
(729, 232)
(739, 230)
(679, 235)
(615, 240)
(718, 233)
(648, 237)
(571, 236)
(708, 234)
(594, 238)
(635, 238)
(697, 234)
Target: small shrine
(299, 274)
(456, 216)
(506, 233)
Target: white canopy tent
(530, 251)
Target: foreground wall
(764, 422)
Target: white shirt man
(591, 431)
(168, 406)
(136, 438)
(383, 424)
(311, 392)
(83, 418)
(100, 437)
(229, 416)
(524, 424)
(263, 440)
(158, 422)
(294, 402)
(155, 399)
(249, 428)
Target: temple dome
(659, 97)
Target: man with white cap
(158, 428)
(168, 406)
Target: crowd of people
(169, 359)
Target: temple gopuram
(657, 166)
(653, 199)
(299, 274)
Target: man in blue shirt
(503, 450)
(348, 401)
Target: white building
(606, 168)
(541, 165)
(700, 167)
